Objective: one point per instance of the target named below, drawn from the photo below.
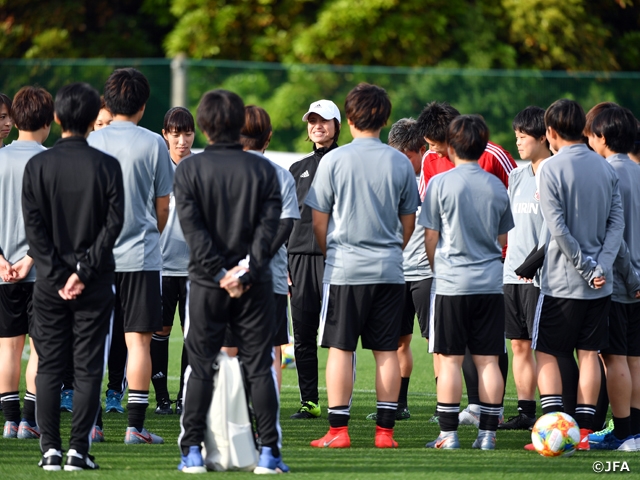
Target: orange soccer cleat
(335, 438)
(384, 438)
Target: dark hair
(77, 106)
(617, 126)
(636, 145)
(178, 120)
(593, 113)
(336, 125)
(126, 91)
(404, 136)
(6, 101)
(103, 105)
(257, 128)
(32, 109)
(434, 120)
(368, 107)
(530, 121)
(567, 118)
(220, 116)
(468, 136)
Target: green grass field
(18, 458)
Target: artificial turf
(19, 458)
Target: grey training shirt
(13, 239)
(470, 208)
(364, 186)
(416, 264)
(175, 251)
(527, 216)
(582, 210)
(148, 173)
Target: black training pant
(81, 326)
(252, 321)
(306, 273)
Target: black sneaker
(179, 406)
(307, 410)
(164, 407)
(519, 422)
(51, 460)
(77, 462)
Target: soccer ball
(555, 434)
(288, 356)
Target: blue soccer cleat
(192, 462)
(114, 402)
(66, 401)
(26, 431)
(268, 464)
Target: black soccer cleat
(164, 407)
(51, 461)
(76, 462)
(179, 406)
(519, 422)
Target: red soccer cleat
(384, 438)
(335, 438)
(584, 439)
(530, 447)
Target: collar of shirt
(224, 146)
(618, 157)
(573, 148)
(74, 139)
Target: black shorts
(373, 312)
(174, 294)
(474, 321)
(281, 336)
(16, 309)
(417, 300)
(563, 325)
(306, 273)
(624, 330)
(139, 301)
(520, 301)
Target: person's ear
(56, 119)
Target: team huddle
(109, 232)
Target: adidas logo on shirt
(305, 174)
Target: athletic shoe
(133, 436)
(584, 439)
(519, 422)
(270, 464)
(307, 410)
(486, 440)
(179, 406)
(611, 442)
(77, 462)
(28, 432)
(97, 435)
(469, 417)
(164, 407)
(435, 418)
(445, 441)
(192, 462)
(335, 438)
(403, 414)
(384, 438)
(10, 430)
(529, 447)
(599, 436)
(51, 461)
(637, 439)
(66, 401)
(114, 402)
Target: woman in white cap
(306, 262)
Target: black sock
(489, 416)
(159, 365)
(551, 403)
(503, 363)
(11, 406)
(404, 390)
(448, 416)
(435, 412)
(527, 407)
(584, 415)
(137, 407)
(570, 376)
(29, 408)
(602, 407)
(470, 373)
(386, 414)
(183, 366)
(99, 419)
(339, 416)
(635, 421)
(622, 427)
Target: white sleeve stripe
(502, 158)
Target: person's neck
(135, 119)
(460, 161)
(176, 159)
(324, 145)
(561, 142)
(535, 161)
(355, 133)
(38, 136)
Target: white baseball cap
(325, 108)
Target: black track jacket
(73, 206)
(228, 202)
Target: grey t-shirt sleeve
(409, 198)
(163, 181)
(614, 233)
(321, 194)
(430, 213)
(289, 198)
(552, 210)
(506, 220)
(626, 271)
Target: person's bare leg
(32, 368)
(524, 369)
(139, 378)
(10, 359)
(387, 376)
(548, 374)
(449, 386)
(339, 376)
(619, 389)
(277, 365)
(490, 383)
(405, 356)
(589, 384)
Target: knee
(521, 348)
(165, 332)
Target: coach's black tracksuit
(73, 204)
(228, 202)
(306, 268)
